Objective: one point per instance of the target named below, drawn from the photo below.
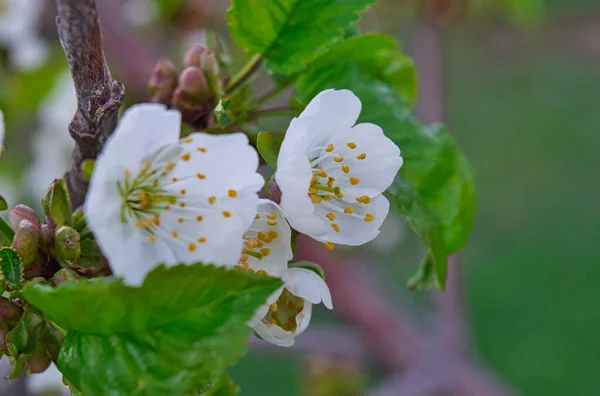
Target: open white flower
(19, 21)
(155, 199)
(332, 173)
(267, 250)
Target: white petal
(353, 229)
(303, 318)
(142, 130)
(293, 177)
(264, 309)
(375, 172)
(280, 249)
(330, 112)
(274, 334)
(308, 285)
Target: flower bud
(47, 240)
(163, 82)
(64, 275)
(193, 83)
(210, 65)
(66, 244)
(56, 203)
(26, 241)
(9, 311)
(91, 262)
(195, 55)
(23, 212)
(34, 269)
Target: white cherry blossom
(267, 250)
(155, 199)
(332, 171)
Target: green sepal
(268, 146)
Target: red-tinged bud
(195, 55)
(23, 212)
(26, 241)
(163, 82)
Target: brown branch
(99, 97)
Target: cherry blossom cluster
(157, 198)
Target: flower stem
(245, 73)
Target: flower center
(284, 311)
(257, 240)
(143, 196)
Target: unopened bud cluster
(193, 91)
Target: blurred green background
(523, 96)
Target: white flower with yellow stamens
(155, 199)
(267, 250)
(332, 173)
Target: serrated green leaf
(291, 33)
(433, 165)
(12, 270)
(268, 146)
(175, 334)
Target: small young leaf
(10, 264)
(88, 168)
(291, 33)
(175, 334)
(23, 339)
(268, 146)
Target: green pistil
(336, 190)
(252, 253)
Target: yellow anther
(329, 245)
(263, 237)
(338, 159)
(274, 307)
(369, 217)
(272, 222)
(328, 197)
(252, 243)
(167, 207)
(155, 183)
(265, 251)
(261, 272)
(340, 196)
(175, 234)
(232, 193)
(329, 148)
(182, 204)
(188, 140)
(345, 168)
(257, 217)
(170, 165)
(321, 173)
(183, 192)
(226, 214)
(201, 240)
(348, 210)
(127, 173)
(273, 234)
(330, 216)
(244, 257)
(186, 156)
(365, 199)
(199, 218)
(180, 220)
(192, 247)
(156, 220)
(202, 149)
(212, 199)
(313, 179)
(200, 176)
(335, 227)
(272, 216)
(312, 191)
(354, 181)
(316, 199)
(152, 238)
(361, 156)
(143, 195)
(352, 145)
(174, 180)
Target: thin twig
(245, 73)
(99, 97)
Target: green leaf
(224, 387)
(375, 56)
(12, 270)
(221, 112)
(3, 203)
(175, 334)
(23, 339)
(434, 168)
(291, 33)
(418, 216)
(268, 146)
